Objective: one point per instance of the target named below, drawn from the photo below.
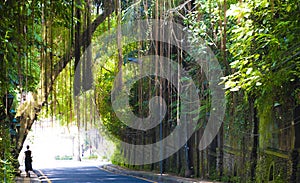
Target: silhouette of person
(28, 161)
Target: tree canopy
(256, 42)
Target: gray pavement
(32, 179)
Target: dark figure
(28, 161)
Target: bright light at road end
(48, 139)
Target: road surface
(82, 173)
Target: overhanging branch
(70, 54)
(36, 104)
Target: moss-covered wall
(272, 168)
(236, 165)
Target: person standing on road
(28, 161)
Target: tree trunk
(255, 141)
(119, 42)
(295, 152)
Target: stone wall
(273, 166)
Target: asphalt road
(83, 174)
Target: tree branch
(68, 56)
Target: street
(71, 172)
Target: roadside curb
(152, 176)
